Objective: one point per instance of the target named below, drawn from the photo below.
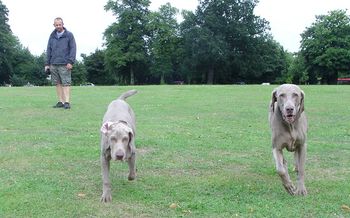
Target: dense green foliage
(126, 39)
(326, 47)
(229, 43)
(96, 71)
(207, 155)
(221, 42)
(164, 43)
(7, 46)
(17, 65)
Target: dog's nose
(289, 110)
(119, 155)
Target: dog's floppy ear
(131, 141)
(301, 107)
(273, 100)
(105, 126)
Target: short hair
(59, 18)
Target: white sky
(32, 20)
(289, 18)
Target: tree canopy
(163, 42)
(126, 38)
(325, 46)
(17, 65)
(221, 42)
(7, 46)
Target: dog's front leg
(282, 170)
(299, 157)
(106, 184)
(132, 166)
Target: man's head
(58, 24)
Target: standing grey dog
(289, 126)
(117, 140)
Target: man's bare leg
(66, 93)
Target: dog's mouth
(119, 158)
(118, 155)
(289, 118)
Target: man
(60, 57)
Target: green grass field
(203, 151)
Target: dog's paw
(290, 188)
(106, 197)
(131, 176)
(301, 190)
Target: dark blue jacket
(61, 50)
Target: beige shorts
(60, 75)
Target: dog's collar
(122, 121)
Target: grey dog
(117, 140)
(289, 126)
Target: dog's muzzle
(119, 155)
(289, 114)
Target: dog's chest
(292, 141)
(291, 145)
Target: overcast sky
(32, 20)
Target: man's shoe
(66, 105)
(58, 105)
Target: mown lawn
(203, 151)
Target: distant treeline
(222, 42)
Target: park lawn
(202, 151)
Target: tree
(210, 42)
(325, 46)
(267, 61)
(17, 65)
(79, 72)
(163, 43)
(96, 70)
(39, 77)
(225, 42)
(296, 72)
(189, 32)
(7, 43)
(27, 68)
(254, 55)
(126, 39)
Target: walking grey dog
(289, 126)
(117, 140)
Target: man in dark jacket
(60, 57)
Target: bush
(17, 80)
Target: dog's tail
(127, 94)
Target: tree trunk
(162, 80)
(329, 79)
(332, 79)
(210, 78)
(132, 76)
(188, 79)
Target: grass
(205, 150)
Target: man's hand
(69, 66)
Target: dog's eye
(113, 139)
(282, 95)
(125, 140)
(295, 95)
